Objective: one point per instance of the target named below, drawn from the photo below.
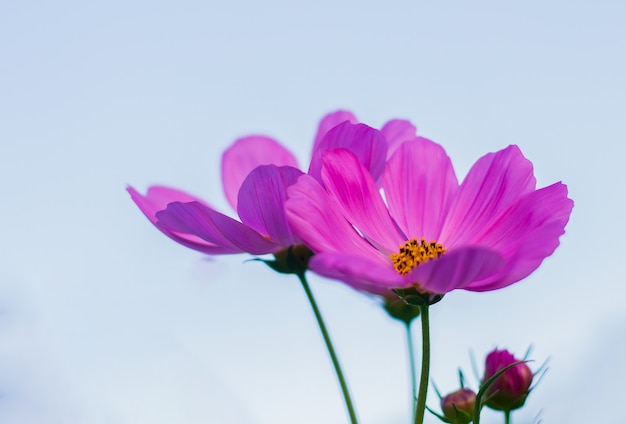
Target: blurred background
(105, 320)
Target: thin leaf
(485, 386)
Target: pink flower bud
(458, 407)
(510, 389)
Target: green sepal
(291, 260)
(413, 296)
(460, 416)
(275, 265)
(441, 417)
(436, 389)
(485, 386)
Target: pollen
(412, 253)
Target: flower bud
(509, 390)
(399, 309)
(458, 407)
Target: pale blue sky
(105, 320)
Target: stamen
(412, 253)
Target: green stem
(331, 350)
(423, 390)
(409, 340)
(507, 417)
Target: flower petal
(157, 199)
(525, 234)
(419, 184)
(316, 218)
(213, 227)
(261, 204)
(349, 182)
(246, 154)
(330, 121)
(495, 181)
(456, 269)
(397, 131)
(358, 272)
(368, 144)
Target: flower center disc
(412, 253)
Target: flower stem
(423, 390)
(331, 350)
(409, 340)
(507, 417)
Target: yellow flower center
(412, 253)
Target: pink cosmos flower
(428, 232)
(256, 172)
(193, 223)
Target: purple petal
(492, 185)
(456, 269)
(246, 154)
(316, 218)
(397, 131)
(525, 234)
(349, 182)
(368, 144)
(261, 204)
(419, 184)
(358, 272)
(330, 121)
(157, 199)
(218, 229)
